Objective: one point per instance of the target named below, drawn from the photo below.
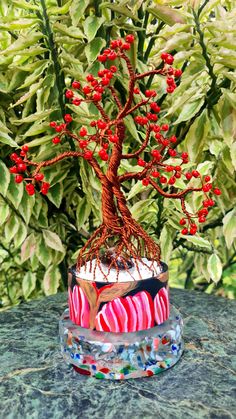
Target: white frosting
(145, 271)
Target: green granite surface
(36, 383)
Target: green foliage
(47, 43)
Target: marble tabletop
(36, 383)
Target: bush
(46, 44)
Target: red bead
(178, 72)
(207, 187)
(170, 89)
(211, 203)
(105, 146)
(145, 182)
(102, 58)
(165, 142)
(192, 231)
(202, 219)
(182, 221)
(83, 132)
(18, 178)
(113, 138)
(172, 152)
(83, 143)
(69, 94)
(101, 124)
(172, 180)
(130, 38)
(155, 107)
(97, 96)
(76, 101)
(103, 155)
(169, 59)
(13, 170)
(184, 231)
(112, 56)
(115, 43)
(205, 203)
(113, 69)
(163, 179)
(178, 175)
(170, 81)
(56, 140)
(13, 156)
(25, 148)
(89, 77)
(155, 173)
(136, 91)
(68, 118)
(75, 84)
(164, 55)
(88, 155)
(208, 203)
(125, 46)
(203, 211)
(105, 81)
(101, 73)
(93, 124)
(59, 128)
(173, 139)
(188, 175)
(165, 127)
(184, 156)
(217, 191)
(39, 177)
(86, 90)
(150, 93)
(156, 154)
(53, 124)
(30, 189)
(207, 178)
(141, 162)
(22, 167)
(195, 173)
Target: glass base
(118, 356)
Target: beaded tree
(106, 144)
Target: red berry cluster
(20, 169)
(116, 47)
(157, 168)
(208, 202)
(172, 73)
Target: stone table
(36, 383)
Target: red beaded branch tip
(104, 140)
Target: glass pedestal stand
(118, 356)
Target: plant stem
(141, 37)
(188, 280)
(152, 41)
(60, 84)
(204, 50)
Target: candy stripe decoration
(127, 314)
(161, 306)
(123, 314)
(79, 307)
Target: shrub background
(47, 43)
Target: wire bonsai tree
(159, 163)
